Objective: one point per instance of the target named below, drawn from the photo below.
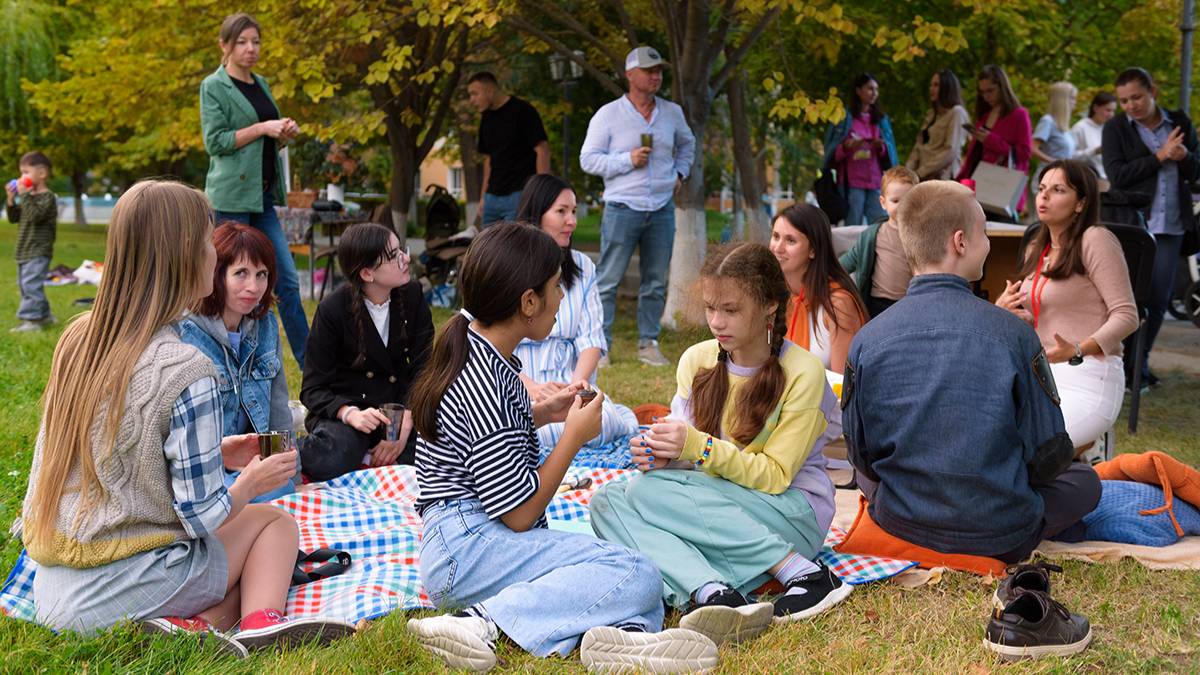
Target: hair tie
(722, 355)
(466, 314)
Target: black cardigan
(1132, 167)
(330, 379)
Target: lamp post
(566, 71)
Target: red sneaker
(167, 625)
(269, 627)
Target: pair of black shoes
(1027, 623)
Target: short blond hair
(928, 217)
(898, 174)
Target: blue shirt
(1164, 210)
(1057, 143)
(944, 409)
(615, 130)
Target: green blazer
(859, 261)
(234, 181)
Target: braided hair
(754, 268)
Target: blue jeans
(862, 203)
(31, 279)
(287, 281)
(500, 207)
(544, 589)
(652, 234)
(1162, 287)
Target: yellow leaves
(908, 46)
(802, 107)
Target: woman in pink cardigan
(1077, 295)
(1003, 134)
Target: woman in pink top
(1002, 134)
(859, 149)
(1077, 295)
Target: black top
(266, 111)
(1132, 168)
(330, 378)
(507, 136)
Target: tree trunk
(472, 169)
(405, 165)
(751, 182)
(684, 305)
(78, 179)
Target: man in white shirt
(642, 147)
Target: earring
(769, 340)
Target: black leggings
(332, 449)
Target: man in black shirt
(513, 142)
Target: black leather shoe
(1034, 577)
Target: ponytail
(447, 362)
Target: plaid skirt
(182, 579)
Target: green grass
(587, 233)
(1144, 621)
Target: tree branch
(576, 26)
(438, 118)
(626, 22)
(558, 46)
(734, 58)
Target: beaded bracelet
(708, 445)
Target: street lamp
(566, 71)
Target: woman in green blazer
(242, 134)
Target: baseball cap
(644, 57)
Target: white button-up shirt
(615, 130)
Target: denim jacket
(252, 380)
(949, 405)
(835, 135)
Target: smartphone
(969, 127)
(587, 395)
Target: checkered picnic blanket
(371, 514)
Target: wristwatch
(1076, 360)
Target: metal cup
(647, 140)
(395, 415)
(273, 443)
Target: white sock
(795, 566)
(708, 590)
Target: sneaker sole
(1015, 653)
(835, 596)
(730, 625)
(652, 362)
(223, 643)
(675, 650)
(295, 632)
(457, 647)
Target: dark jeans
(333, 449)
(1073, 494)
(287, 281)
(875, 306)
(1162, 287)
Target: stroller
(444, 247)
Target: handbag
(336, 562)
(998, 189)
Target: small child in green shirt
(36, 216)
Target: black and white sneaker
(464, 642)
(728, 617)
(809, 595)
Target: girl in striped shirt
(483, 496)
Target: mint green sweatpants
(699, 528)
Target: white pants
(1091, 395)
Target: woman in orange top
(825, 311)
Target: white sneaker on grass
(464, 642)
(675, 650)
(723, 624)
(649, 354)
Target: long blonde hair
(154, 262)
(1062, 104)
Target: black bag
(336, 562)
(829, 197)
(442, 214)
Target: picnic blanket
(371, 514)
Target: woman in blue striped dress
(572, 351)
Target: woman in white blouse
(938, 150)
(1088, 131)
(572, 351)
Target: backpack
(442, 214)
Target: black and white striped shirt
(487, 447)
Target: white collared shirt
(381, 317)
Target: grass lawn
(1143, 620)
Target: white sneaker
(649, 354)
(723, 624)
(26, 327)
(675, 650)
(464, 642)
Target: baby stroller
(444, 247)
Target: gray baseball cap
(644, 57)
